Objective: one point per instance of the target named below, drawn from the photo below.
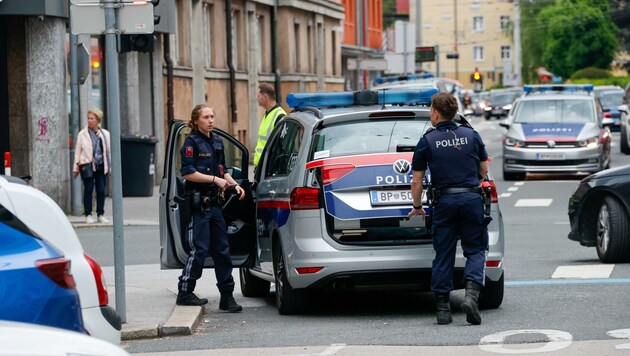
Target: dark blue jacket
(204, 155)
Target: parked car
(21, 339)
(36, 285)
(499, 105)
(610, 97)
(599, 209)
(46, 219)
(332, 195)
(555, 129)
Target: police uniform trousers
(207, 232)
(458, 216)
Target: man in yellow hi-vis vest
(273, 113)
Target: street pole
(75, 186)
(517, 43)
(456, 47)
(113, 111)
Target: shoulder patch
(189, 151)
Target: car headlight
(507, 107)
(488, 108)
(590, 143)
(512, 142)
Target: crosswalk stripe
(583, 272)
(532, 202)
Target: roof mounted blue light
(363, 97)
(559, 88)
(397, 78)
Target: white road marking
(512, 189)
(620, 334)
(505, 195)
(561, 223)
(557, 340)
(583, 272)
(519, 183)
(532, 202)
(330, 350)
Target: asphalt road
(580, 316)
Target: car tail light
(304, 199)
(308, 270)
(99, 278)
(332, 173)
(494, 197)
(493, 263)
(607, 115)
(58, 270)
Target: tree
(578, 34)
(532, 35)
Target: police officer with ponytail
(207, 181)
(457, 158)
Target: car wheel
(491, 295)
(625, 148)
(252, 286)
(288, 300)
(613, 234)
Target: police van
(555, 129)
(327, 209)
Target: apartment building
(481, 32)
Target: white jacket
(83, 150)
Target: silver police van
(327, 209)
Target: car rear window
(555, 111)
(612, 99)
(367, 137)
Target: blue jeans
(100, 180)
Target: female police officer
(457, 158)
(203, 167)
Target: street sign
(425, 54)
(88, 17)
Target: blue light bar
(397, 78)
(561, 88)
(365, 97)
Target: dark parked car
(599, 214)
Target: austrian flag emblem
(189, 151)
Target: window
(260, 37)
(506, 52)
(478, 24)
(181, 39)
(478, 53)
(309, 49)
(284, 148)
(296, 45)
(504, 22)
(207, 33)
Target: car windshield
(551, 111)
(502, 99)
(612, 99)
(367, 137)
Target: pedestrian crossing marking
(512, 189)
(519, 183)
(583, 272)
(532, 203)
(505, 195)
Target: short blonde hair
(96, 112)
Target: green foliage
(578, 35)
(591, 73)
(532, 39)
(620, 81)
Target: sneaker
(103, 220)
(89, 219)
(228, 304)
(189, 298)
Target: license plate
(393, 197)
(550, 156)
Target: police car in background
(555, 129)
(331, 201)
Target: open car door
(239, 214)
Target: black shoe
(189, 298)
(229, 304)
(470, 306)
(443, 309)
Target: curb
(183, 321)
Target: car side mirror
(504, 123)
(623, 108)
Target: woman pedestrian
(92, 159)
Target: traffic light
(476, 76)
(142, 42)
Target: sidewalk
(150, 293)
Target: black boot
(189, 298)
(229, 304)
(470, 306)
(443, 306)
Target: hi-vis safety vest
(266, 126)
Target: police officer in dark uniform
(203, 168)
(457, 158)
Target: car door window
(284, 149)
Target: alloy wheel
(603, 228)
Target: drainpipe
(274, 51)
(170, 110)
(230, 60)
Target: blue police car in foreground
(35, 281)
(555, 129)
(332, 194)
